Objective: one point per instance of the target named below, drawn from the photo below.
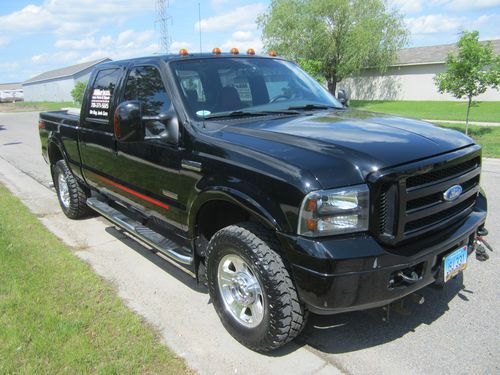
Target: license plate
(455, 263)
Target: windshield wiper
(309, 107)
(236, 114)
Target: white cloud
(105, 41)
(177, 45)
(37, 58)
(90, 42)
(217, 3)
(9, 66)
(242, 35)
(85, 43)
(129, 43)
(63, 56)
(4, 41)
(70, 16)
(463, 5)
(433, 23)
(242, 46)
(242, 17)
(406, 6)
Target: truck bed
(70, 116)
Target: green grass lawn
(434, 110)
(487, 136)
(44, 106)
(35, 106)
(57, 316)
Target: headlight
(337, 211)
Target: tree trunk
(332, 85)
(467, 117)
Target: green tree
(471, 71)
(341, 36)
(78, 92)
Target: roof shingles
(432, 54)
(64, 72)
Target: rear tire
(72, 197)
(262, 317)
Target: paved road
(455, 331)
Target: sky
(41, 35)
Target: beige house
(411, 78)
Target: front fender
(270, 215)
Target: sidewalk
(478, 123)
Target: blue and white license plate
(455, 263)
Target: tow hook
(480, 245)
(412, 278)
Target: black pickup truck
(247, 173)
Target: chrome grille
(409, 200)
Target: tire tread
(288, 316)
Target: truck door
(96, 138)
(149, 169)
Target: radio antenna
(199, 23)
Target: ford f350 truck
(246, 172)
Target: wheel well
(217, 214)
(54, 154)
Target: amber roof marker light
(273, 53)
(216, 51)
(234, 51)
(250, 51)
(183, 52)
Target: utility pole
(161, 25)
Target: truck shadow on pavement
(358, 330)
(157, 259)
(340, 333)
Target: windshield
(218, 87)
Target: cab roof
(178, 57)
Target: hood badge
(452, 193)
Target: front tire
(72, 197)
(251, 288)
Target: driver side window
(144, 83)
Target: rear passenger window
(144, 83)
(102, 93)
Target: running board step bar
(152, 238)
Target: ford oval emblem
(452, 193)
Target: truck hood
(342, 147)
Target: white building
(411, 78)
(10, 92)
(56, 85)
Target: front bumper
(340, 274)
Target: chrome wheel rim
(241, 291)
(63, 188)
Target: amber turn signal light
(216, 51)
(311, 205)
(183, 52)
(234, 51)
(312, 225)
(250, 51)
(273, 53)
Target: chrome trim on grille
(402, 211)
